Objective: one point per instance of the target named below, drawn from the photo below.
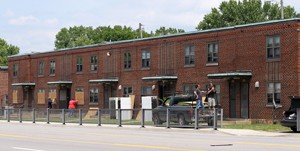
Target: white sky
(33, 24)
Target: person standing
(198, 95)
(211, 96)
(50, 103)
(72, 106)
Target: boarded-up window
(79, 95)
(15, 96)
(41, 96)
(52, 93)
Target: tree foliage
(234, 12)
(167, 31)
(6, 50)
(81, 36)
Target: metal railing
(143, 117)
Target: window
(41, 90)
(94, 63)
(273, 47)
(274, 89)
(212, 53)
(145, 58)
(189, 89)
(15, 70)
(52, 67)
(41, 68)
(94, 95)
(52, 90)
(127, 91)
(189, 55)
(79, 89)
(127, 60)
(146, 90)
(79, 64)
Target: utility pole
(141, 30)
(281, 9)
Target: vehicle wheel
(294, 129)
(156, 119)
(181, 120)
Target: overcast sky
(33, 24)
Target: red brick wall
(3, 86)
(240, 48)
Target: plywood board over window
(52, 95)
(80, 97)
(41, 98)
(15, 96)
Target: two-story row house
(251, 65)
(3, 86)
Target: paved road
(57, 137)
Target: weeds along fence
(118, 117)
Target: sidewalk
(247, 132)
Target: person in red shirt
(72, 106)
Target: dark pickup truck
(181, 111)
(290, 115)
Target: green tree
(167, 31)
(6, 50)
(73, 37)
(81, 36)
(234, 12)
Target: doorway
(238, 98)
(166, 88)
(28, 100)
(244, 100)
(110, 90)
(232, 99)
(64, 97)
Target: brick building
(249, 64)
(3, 86)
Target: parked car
(182, 111)
(290, 116)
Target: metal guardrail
(118, 117)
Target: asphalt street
(16, 136)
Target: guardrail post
(215, 118)
(63, 117)
(120, 118)
(221, 120)
(48, 116)
(99, 117)
(80, 116)
(168, 118)
(8, 115)
(33, 115)
(298, 119)
(196, 118)
(20, 115)
(143, 118)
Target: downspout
(29, 69)
(29, 80)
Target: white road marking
(29, 149)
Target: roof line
(164, 36)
